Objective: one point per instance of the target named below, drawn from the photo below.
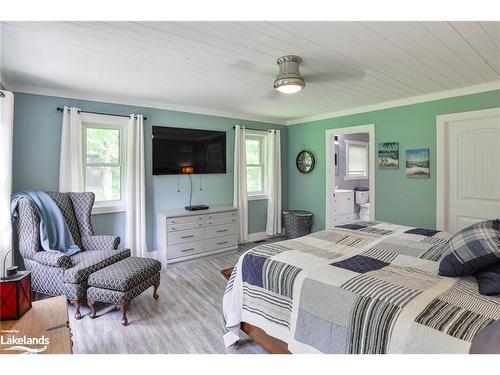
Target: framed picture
(417, 163)
(388, 155)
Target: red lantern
(15, 295)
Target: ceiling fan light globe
(289, 89)
(289, 86)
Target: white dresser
(343, 207)
(184, 235)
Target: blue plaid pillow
(472, 249)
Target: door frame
(442, 124)
(330, 167)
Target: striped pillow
(472, 249)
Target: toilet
(361, 199)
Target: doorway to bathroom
(350, 174)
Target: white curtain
(135, 217)
(71, 157)
(240, 181)
(6, 135)
(273, 225)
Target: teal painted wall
(37, 132)
(398, 199)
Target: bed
(365, 287)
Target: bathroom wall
(340, 179)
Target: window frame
(261, 137)
(364, 145)
(94, 121)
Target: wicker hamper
(297, 223)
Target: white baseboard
(259, 236)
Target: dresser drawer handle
(173, 229)
(222, 230)
(190, 249)
(191, 235)
(221, 243)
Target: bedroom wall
(37, 131)
(398, 199)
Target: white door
(472, 169)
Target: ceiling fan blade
(251, 67)
(318, 77)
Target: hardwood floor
(187, 318)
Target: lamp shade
(187, 170)
(15, 295)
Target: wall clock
(305, 161)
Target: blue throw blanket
(54, 232)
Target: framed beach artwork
(417, 163)
(388, 155)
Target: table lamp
(189, 171)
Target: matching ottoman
(121, 282)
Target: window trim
(261, 137)
(95, 121)
(365, 145)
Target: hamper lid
(297, 213)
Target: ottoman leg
(155, 294)
(92, 308)
(124, 309)
(77, 304)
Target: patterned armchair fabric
(85, 263)
(53, 259)
(54, 273)
(97, 243)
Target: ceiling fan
(290, 80)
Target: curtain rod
(59, 109)
(259, 130)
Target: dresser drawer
(185, 219)
(184, 236)
(178, 227)
(225, 220)
(184, 250)
(220, 230)
(221, 215)
(221, 242)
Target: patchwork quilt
(365, 287)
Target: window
(356, 160)
(255, 159)
(104, 161)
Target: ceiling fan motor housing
(289, 73)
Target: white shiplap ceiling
(228, 68)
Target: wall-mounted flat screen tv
(179, 150)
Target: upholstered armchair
(54, 273)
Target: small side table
(44, 329)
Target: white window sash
(357, 174)
(93, 121)
(261, 138)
